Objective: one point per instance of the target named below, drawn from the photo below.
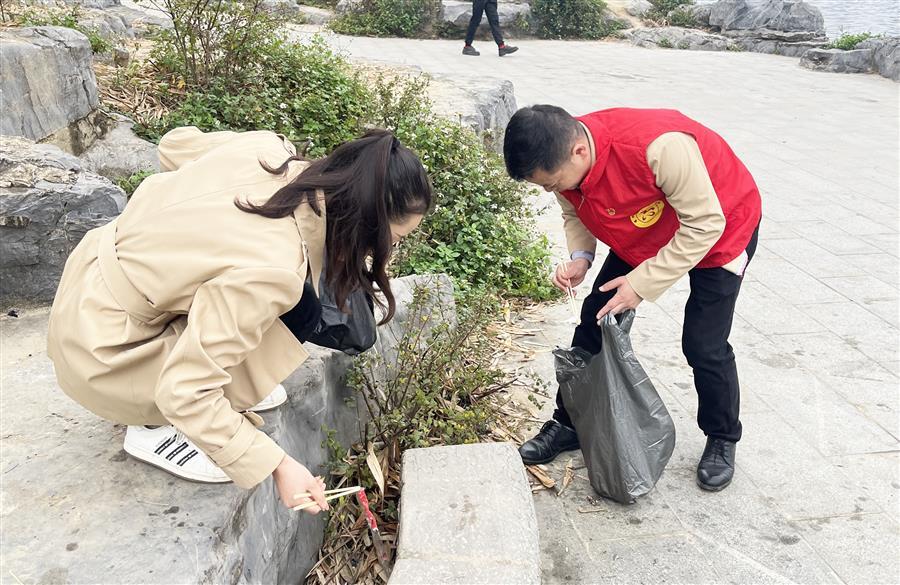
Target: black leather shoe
(716, 467)
(470, 50)
(507, 50)
(553, 439)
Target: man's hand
(570, 274)
(624, 299)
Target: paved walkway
(815, 498)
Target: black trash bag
(625, 431)
(351, 332)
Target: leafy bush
(481, 231)
(585, 19)
(131, 183)
(385, 18)
(660, 9)
(682, 16)
(848, 42)
(214, 42)
(306, 92)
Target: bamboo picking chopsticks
(329, 495)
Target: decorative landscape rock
(886, 57)
(839, 61)
(672, 37)
(458, 13)
(782, 27)
(483, 104)
(46, 80)
(120, 153)
(638, 8)
(47, 203)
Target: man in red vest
(669, 198)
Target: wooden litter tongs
(329, 495)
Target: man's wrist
(583, 255)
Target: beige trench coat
(169, 314)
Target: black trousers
(479, 7)
(304, 317)
(708, 315)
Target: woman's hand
(293, 478)
(570, 274)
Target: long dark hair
(368, 183)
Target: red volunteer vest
(621, 205)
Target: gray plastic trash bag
(625, 431)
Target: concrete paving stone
(465, 502)
(792, 283)
(813, 259)
(887, 243)
(769, 542)
(771, 312)
(770, 229)
(800, 481)
(877, 477)
(671, 558)
(833, 238)
(893, 367)
(887, 310)
(858, 328)
(864, 289)
(881, 266)
(827, 353)
(877, 400)
(853, 221)
(826, 420)
(567, 561)
(861, 548)
(477, 571)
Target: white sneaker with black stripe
(167, 448)
(273, 400)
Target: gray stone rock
(120, 153)
(313, 15)
(672, 37)
(466, 516)
(638, 8)
(282, 7)
(483, 104)
(779, 15)
(887, 56)
(701, 13)
(839, 61)
(47, 203)
(458, 13)
(345, 6)
(46, 80)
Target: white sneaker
(167, 448)
(273, 400)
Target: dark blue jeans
(708, 315)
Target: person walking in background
(479, 7)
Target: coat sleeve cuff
(249, 457)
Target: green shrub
(584, 19)
(848, 42)
(660, 9)
(214, 43)
(130, 184)
(481, 231)
(306, 92)
(665, 44)
(385, 18)
(682, 16)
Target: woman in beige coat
(179, 317)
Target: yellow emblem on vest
(648, 215)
